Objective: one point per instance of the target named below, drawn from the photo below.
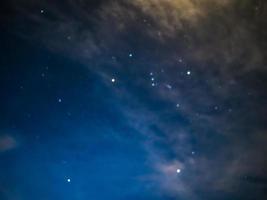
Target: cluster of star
(152, 78)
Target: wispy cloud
(7, 142)
(214, 40)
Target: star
(59, 100)
(188, 72)
(178, 171)
(113, 80)
(68, 180)
(130, 55)
(168, 86)
(42, 11)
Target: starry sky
(133, 99)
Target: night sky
(133, 100)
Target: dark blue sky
(133, 100)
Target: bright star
(113, 80)
(188, 72)
(68, 180)
(178, 171)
